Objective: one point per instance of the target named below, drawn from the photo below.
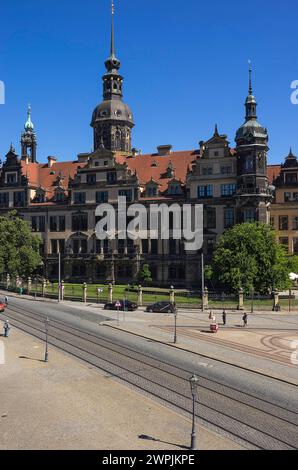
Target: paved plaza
(64, 404)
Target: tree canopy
(19, 249)
(248, 256)
(145, 276)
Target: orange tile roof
(145, 168)
(40, 174)
(273, 172)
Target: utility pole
(59, 277)
(203, 279)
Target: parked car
(2, 307)
(162, 307)
(126, 305)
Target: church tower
(28, 140)
(112, 120)
(253, 192)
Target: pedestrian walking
(6, 328)
(6, 300)
(224, 317)
(244, 318)
(210, 315)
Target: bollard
(206, 298)
(84, 292)
(140, 296)
(110, 293)
(241, 300)
(172, 294)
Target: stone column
(206, 298)
(241, 300)
(43, 287)
(275, 301)
(110, 293)
(84, 292)
(172, 295)
(7, 281)
(29, 283)
(140, 296)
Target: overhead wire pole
(203, 279)
(59, 277)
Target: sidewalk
(66, 404)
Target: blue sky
(184, 63)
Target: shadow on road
(149, 438)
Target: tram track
(246, 419)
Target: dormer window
(11, 178)
(39, 196)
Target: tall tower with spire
(253, 192)
(112, 120)
(28, 139)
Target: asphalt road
(249, 408)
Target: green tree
(19, 249)
(144, 275)
(248, 256)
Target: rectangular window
(291, 177)
(295, 197)
(229, 217)
(19, 199)
(61, 246)
(11, 178)
(121, 247)
(228, 189)
(205, 191)
(295, 246)
(249, 216)
(79, 198)
(154, 247)
(272, 221)
(102, 197)
(226, 170)
(287, 197)
(42, 223)
(208, 171)
(111, 177)
(283, 222)
(34, 224)
(211, 218)
(91, 178)
(4, 199)
(145, 246)
(79, 222)
(285, 242)
(295, 223)
(54, 246)
(53, 224)
(61, 223)
(127, 193)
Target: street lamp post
(252, 300)
(47, 322)
(193, 386)
(175, 330)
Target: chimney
(51, 161)
(164, 149)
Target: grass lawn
(75, 292)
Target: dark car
(2, 307)
(126, 305)
(162, 307)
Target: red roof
(273, 172)
(154, 166)
(41, 175)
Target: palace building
(59, 199)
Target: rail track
(253, 422)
